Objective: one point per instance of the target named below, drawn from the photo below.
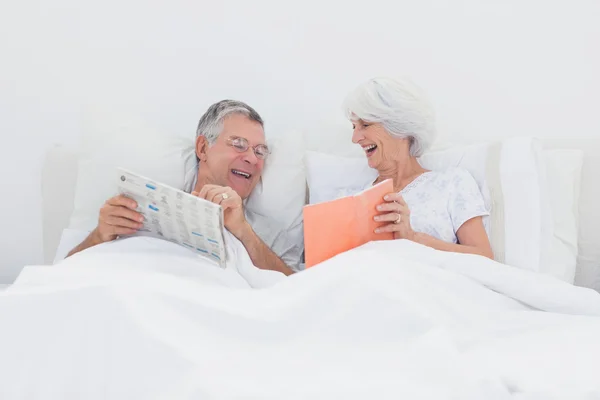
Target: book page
(174, 215)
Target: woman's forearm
(437, 244)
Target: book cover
(336, 226)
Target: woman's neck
(401, 172)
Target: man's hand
(235, 222)
(117, 217)
(231, 202)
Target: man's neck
(203, 179)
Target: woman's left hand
(396, 212)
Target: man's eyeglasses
(241, 145)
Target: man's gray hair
(400, 106)
(211, 123)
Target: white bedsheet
(143, 318)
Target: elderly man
(231, 152)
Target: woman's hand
(396, 212)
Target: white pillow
(59, 178)
(563, 169)
(281, 192)
(111, 141)
(527, 214)
(507, 173)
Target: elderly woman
(394, 124)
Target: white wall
(493, 69)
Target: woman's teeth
(370, 148)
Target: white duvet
(146, 319)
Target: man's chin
(243, 190)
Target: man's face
(226, 164)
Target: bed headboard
(59, 179)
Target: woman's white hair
(399, 105)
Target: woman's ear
(201, 147)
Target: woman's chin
(371, 162)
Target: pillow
(527, 212)
(111, 141)
(59, 177)
(563, 177)
(507, 172)
(281, 192)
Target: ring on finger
(397, 221)
(224, 196)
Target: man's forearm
(260, 254)
(90, 241)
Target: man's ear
(201, 147)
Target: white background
(493, 69)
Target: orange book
(336, 226)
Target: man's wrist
(244, 232)
(95, 238)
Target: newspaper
(176, 216)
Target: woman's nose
(356, 136)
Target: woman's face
(381, 148)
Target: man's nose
(250, 157)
